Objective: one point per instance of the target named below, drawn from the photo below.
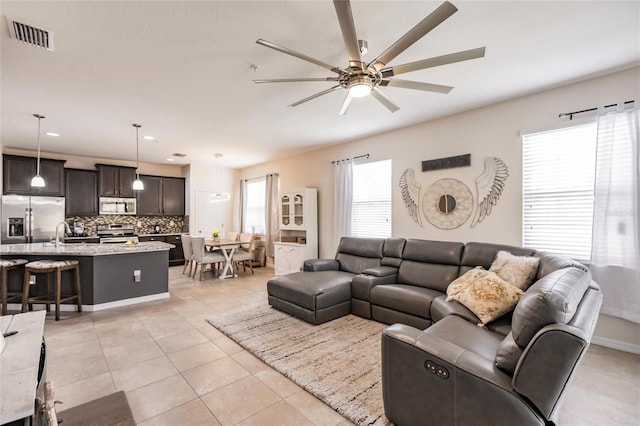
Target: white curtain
(343, 199)
(243, 203)
(272, 212)
(615, 254)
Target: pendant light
(137, 184)
(37, 180)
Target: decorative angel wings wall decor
(411, 194)
(490, 185)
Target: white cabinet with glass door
(298, 229)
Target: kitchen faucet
(67, 229)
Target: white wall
(489, 131)
(212, 178)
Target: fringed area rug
(338, 361)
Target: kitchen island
(108, 272)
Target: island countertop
(82, 249)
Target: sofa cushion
(441, 308)
(468, 336)
(483, 254)
(508, 354)
(552, 299)
(392, 251)
(404, 298)
(430, 275)
(364, 247)
(553, 262)
(516, 270)
(354, 255)
(488, 296)
(442, 252)
(466, 280)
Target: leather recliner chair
(456, 373)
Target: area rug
(338, 361)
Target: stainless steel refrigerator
(28, 219)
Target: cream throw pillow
(518, 271)
(488, 296)
(465, 280)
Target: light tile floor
(176, 369)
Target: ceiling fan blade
(348, 28)
(434, 62)
(416, 85)
(299, 55)
(345, 104)
(294, 80)
(434, 19)
(324, 92)
(382, 98)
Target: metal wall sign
(447, 162)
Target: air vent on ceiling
(30, 34)
(177, 154)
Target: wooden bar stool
(48, 267)
(7, 265)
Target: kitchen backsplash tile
(142, 224)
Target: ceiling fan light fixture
(360, 87)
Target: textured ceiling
(184, 70)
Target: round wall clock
(447, 203)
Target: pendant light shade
(37, 181)
(137, 184)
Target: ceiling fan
(361, 79)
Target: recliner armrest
(381, 271)
(429, 380)
(315, 265)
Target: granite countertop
(162, 234)
(81, 249)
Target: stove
(115, 233)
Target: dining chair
(188, 253)
(232, 236)
(202, 257)
(244, 253)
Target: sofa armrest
(381, 271)
(427, 377)
(362, 284)
(315, 265)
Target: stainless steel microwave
(117, 205)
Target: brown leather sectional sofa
(438, 366)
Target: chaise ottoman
(315, 298)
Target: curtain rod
(354, 158)
(571, 114)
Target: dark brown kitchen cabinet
(176, 254)
(18, 171)
(81, 190)
(173, 196)
(161, 196)
(115, 181)
(150, 198)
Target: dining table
(227, 247)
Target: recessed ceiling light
(171, 159)
(53, 134)
(149, 138)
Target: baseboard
(616, 344)
(102, 306)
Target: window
(558, 179)
(371, 211)
(254, 206)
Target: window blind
(254, 209)
(558, 181)
(371, 209)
